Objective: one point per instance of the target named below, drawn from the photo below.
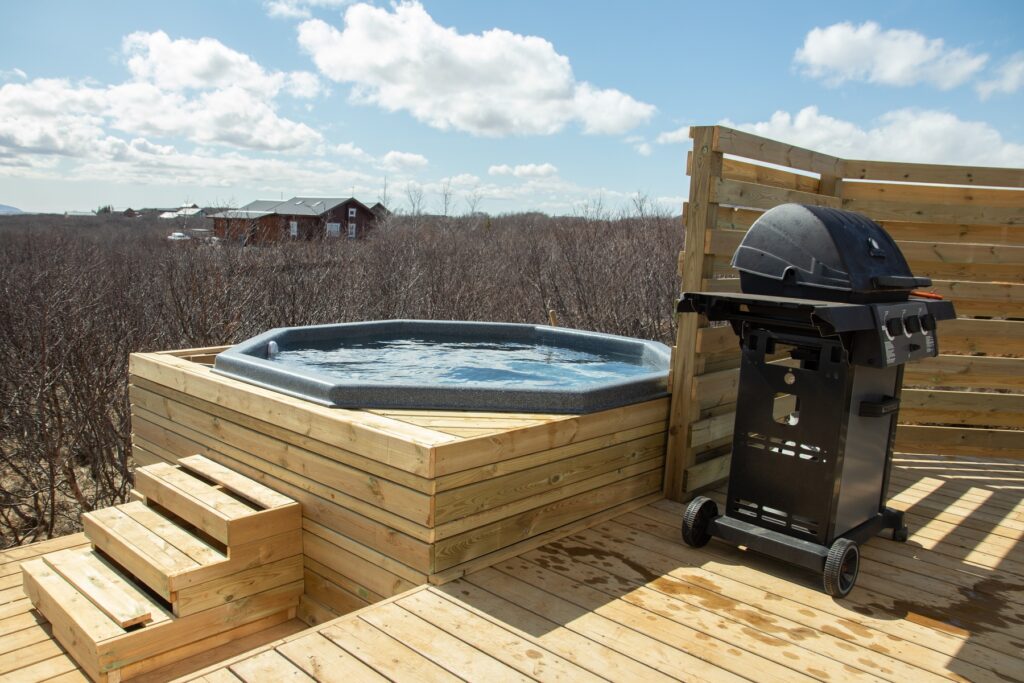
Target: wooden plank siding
(392, 499)
(963, 227)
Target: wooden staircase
(202, 556)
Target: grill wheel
(841, 568)
(696, 520)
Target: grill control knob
(894, 326)
(928, 322)
(913, 324)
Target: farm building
(304, 218)
(183, 211)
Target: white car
(178, 237)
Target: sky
(562, 107)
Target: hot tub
(444, 365)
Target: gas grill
(826, 319)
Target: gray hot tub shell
(249, 362)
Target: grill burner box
(830, 290)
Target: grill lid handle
(900, 282)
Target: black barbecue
(830, 291)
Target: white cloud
(351, 151)
(524, 170)
(639, 145)
(205, 64)
(303, 85)
(671, 137)
(230, 116)
(401, 161)
(463, 180)
(846, 52)
(50, 116)
(672, 203)
(1009, 79)
(197, 90)
(298, 9)
(903, 135)
(394, 160)
(221, 170)
(495, 83)
(14, 74)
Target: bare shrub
(78, 295)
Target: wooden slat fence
(961, 226)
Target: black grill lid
(813, 252)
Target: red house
(299, 218)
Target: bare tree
(414, 196)
(446, 197)
(473, 199)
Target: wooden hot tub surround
(396, 498)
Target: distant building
(183, 211)
(131, 213)
(299, 218)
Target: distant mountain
(9, 210)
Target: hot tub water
(457, 363)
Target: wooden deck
(625, 600)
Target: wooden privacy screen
(961, 226)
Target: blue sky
(513, 105)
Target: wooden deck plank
(58, 669)
(30, 654)
(269, 666)
(519, 653)
(17, 640)
(325, 661)
(243, 641)
(383, 653)
(622, 637)
(463, 660)
(555, 637)
(717, 647)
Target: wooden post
(701, 216)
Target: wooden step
(229, 507)
(104, 649)
(169, 559)
(147, 545)
(243, 486)
(106, 587)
